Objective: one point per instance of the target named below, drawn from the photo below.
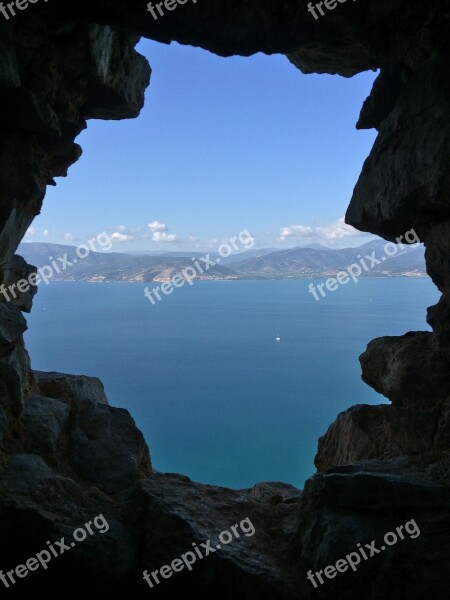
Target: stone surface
(410, 370)
(167, 507)
(38, 504)
(119, 74)
(160, 516)
(363, 502)
(88, 441)
(73, 387)
(12, 324)
(105, 447)
(275, 492)
(15, 374)
(9, 72)
(404, 183)
(15, 271)
(4, 422)
(414, 374)
(378, 432)
(342, 42)
(437, 254)
(438, 317)
(45, 419)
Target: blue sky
(222, 145)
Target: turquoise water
(217, 397)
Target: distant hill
(112, 266)
(309, 262)
(321, 261)
(213, 255)
(252, 252)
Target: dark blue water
(216, 396)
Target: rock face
(72, 387)
(45, 420)
(15, 272)
(67, 457)
(360, 504)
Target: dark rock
(361, 504)
(4, 422)
(29, 463)
(15, 271)
(377, 432)
(409, 370)
(437, 254)
(404, 183)
(15, 373)
(45, 419)
(105, 447)
(14, 225)
(258, 562)
(12, 324)
(119, 75)
(9, 72)
(346, 41)
(72, 387)
(438, 317)
(275, 493)
(38, 504)
(34, 114)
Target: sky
(223, 145)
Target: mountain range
(306, 262)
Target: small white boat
(278, 339)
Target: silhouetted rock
(373, 432)
(18, 270)
(363, 502)
(73, 387)
(105, 447)
(12, 324)
(410, 370)
(45, 419)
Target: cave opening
(201, 163)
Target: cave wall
(66, 454)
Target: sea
(217, 396)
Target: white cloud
(337, 230)
(162, 236)
(31, 232)
(295, 231)
(157, 226)
(154, 231)
(68, 237)
(159, 232)
(123, 233)
(329, 232)
(46, 233)
(121, 237)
